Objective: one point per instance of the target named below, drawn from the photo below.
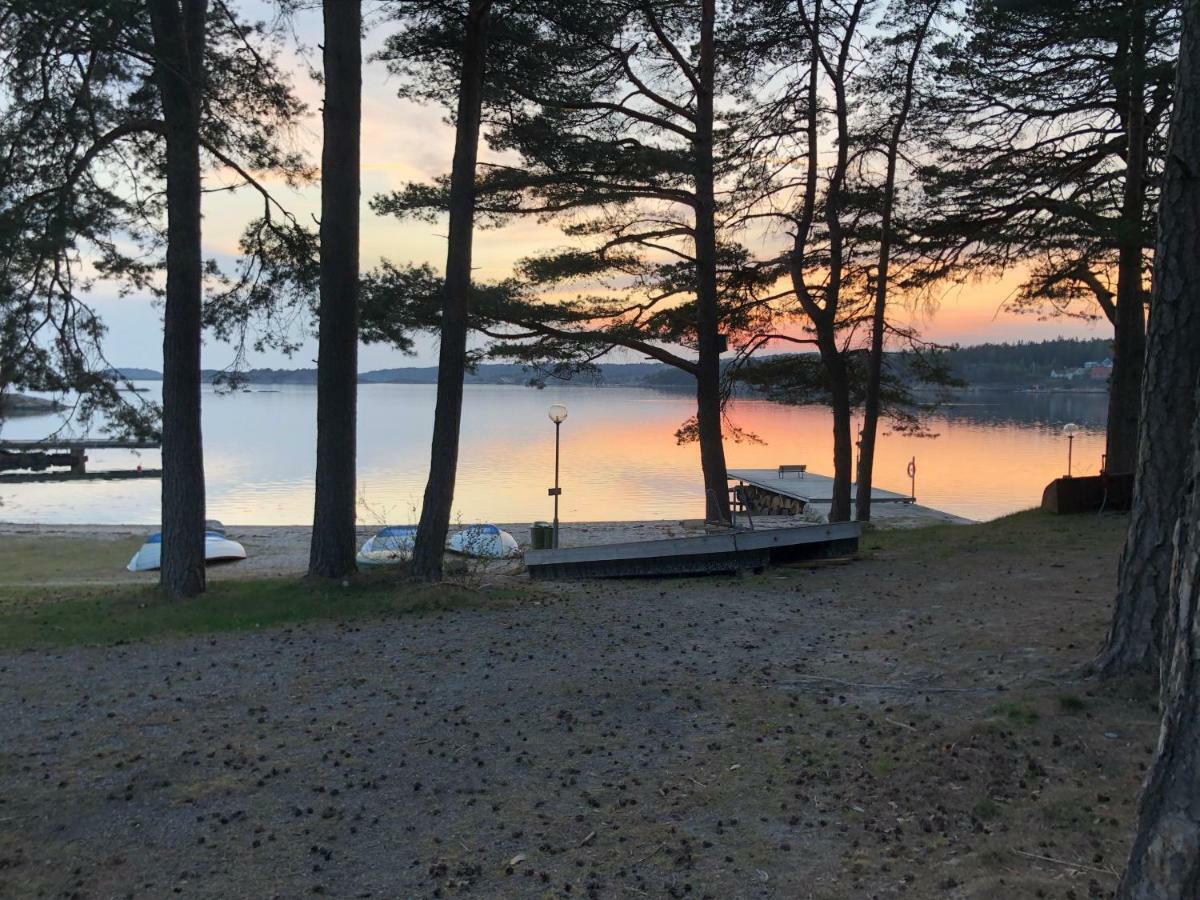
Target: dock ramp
(707, 554)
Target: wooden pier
(36, 457)
(707, 554)
(785, 492)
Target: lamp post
(1070, 430)
(557, 414)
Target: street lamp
(557, 414)
(1070, 430)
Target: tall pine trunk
(843, 439)
(708, 368)
(1172, 362)
(452, 357)
(1129, 337)
(179, 44)
(332, 551)
(1165, 863)
(872, 400)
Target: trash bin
(541, 536)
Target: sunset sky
(403, 142)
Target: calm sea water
(992, 455)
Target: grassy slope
(38, 609)
(1029, 529)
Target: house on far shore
(1093, 371)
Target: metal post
(1070, 447)
(557, 489)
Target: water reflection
(993, 455)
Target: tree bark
(871, 400)
(332, 551)
(447, 419)
(1168, 404)
(1165, 861)
(1129, 333)
(179, 43)
(708, 367)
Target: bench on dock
(796, 470)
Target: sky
(402, 142)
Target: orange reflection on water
(978, 461)
(993, 455)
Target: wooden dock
(99, 475)
(70, 454)
(789, 494)
(809, 487)
(707, 554)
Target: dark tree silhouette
(610, 107)
(332, 552)
(121, 106)
(179, 30)
(452, 355)
(1051, 118)
(907, 50)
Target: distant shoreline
(1063, 366)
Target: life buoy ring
(912, 468)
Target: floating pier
(783, 491)
(38, 456)
(707, 554)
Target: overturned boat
(217, 548)
(391, 545)
(394, 544)
(485, 542)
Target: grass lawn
(103, 607)
(1030, 529)
(57, 591)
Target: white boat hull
(484, 541)
(217, 548)
(390, 546)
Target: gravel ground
(753, 737)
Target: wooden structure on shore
(1088, 493)
(36, 457)
(707, 554)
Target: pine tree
(332, 552)
(609, 106)
(1052, 117)
(123, 106)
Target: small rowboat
(395, 543)
(217, 548)
(484, 541)
(392, 545)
